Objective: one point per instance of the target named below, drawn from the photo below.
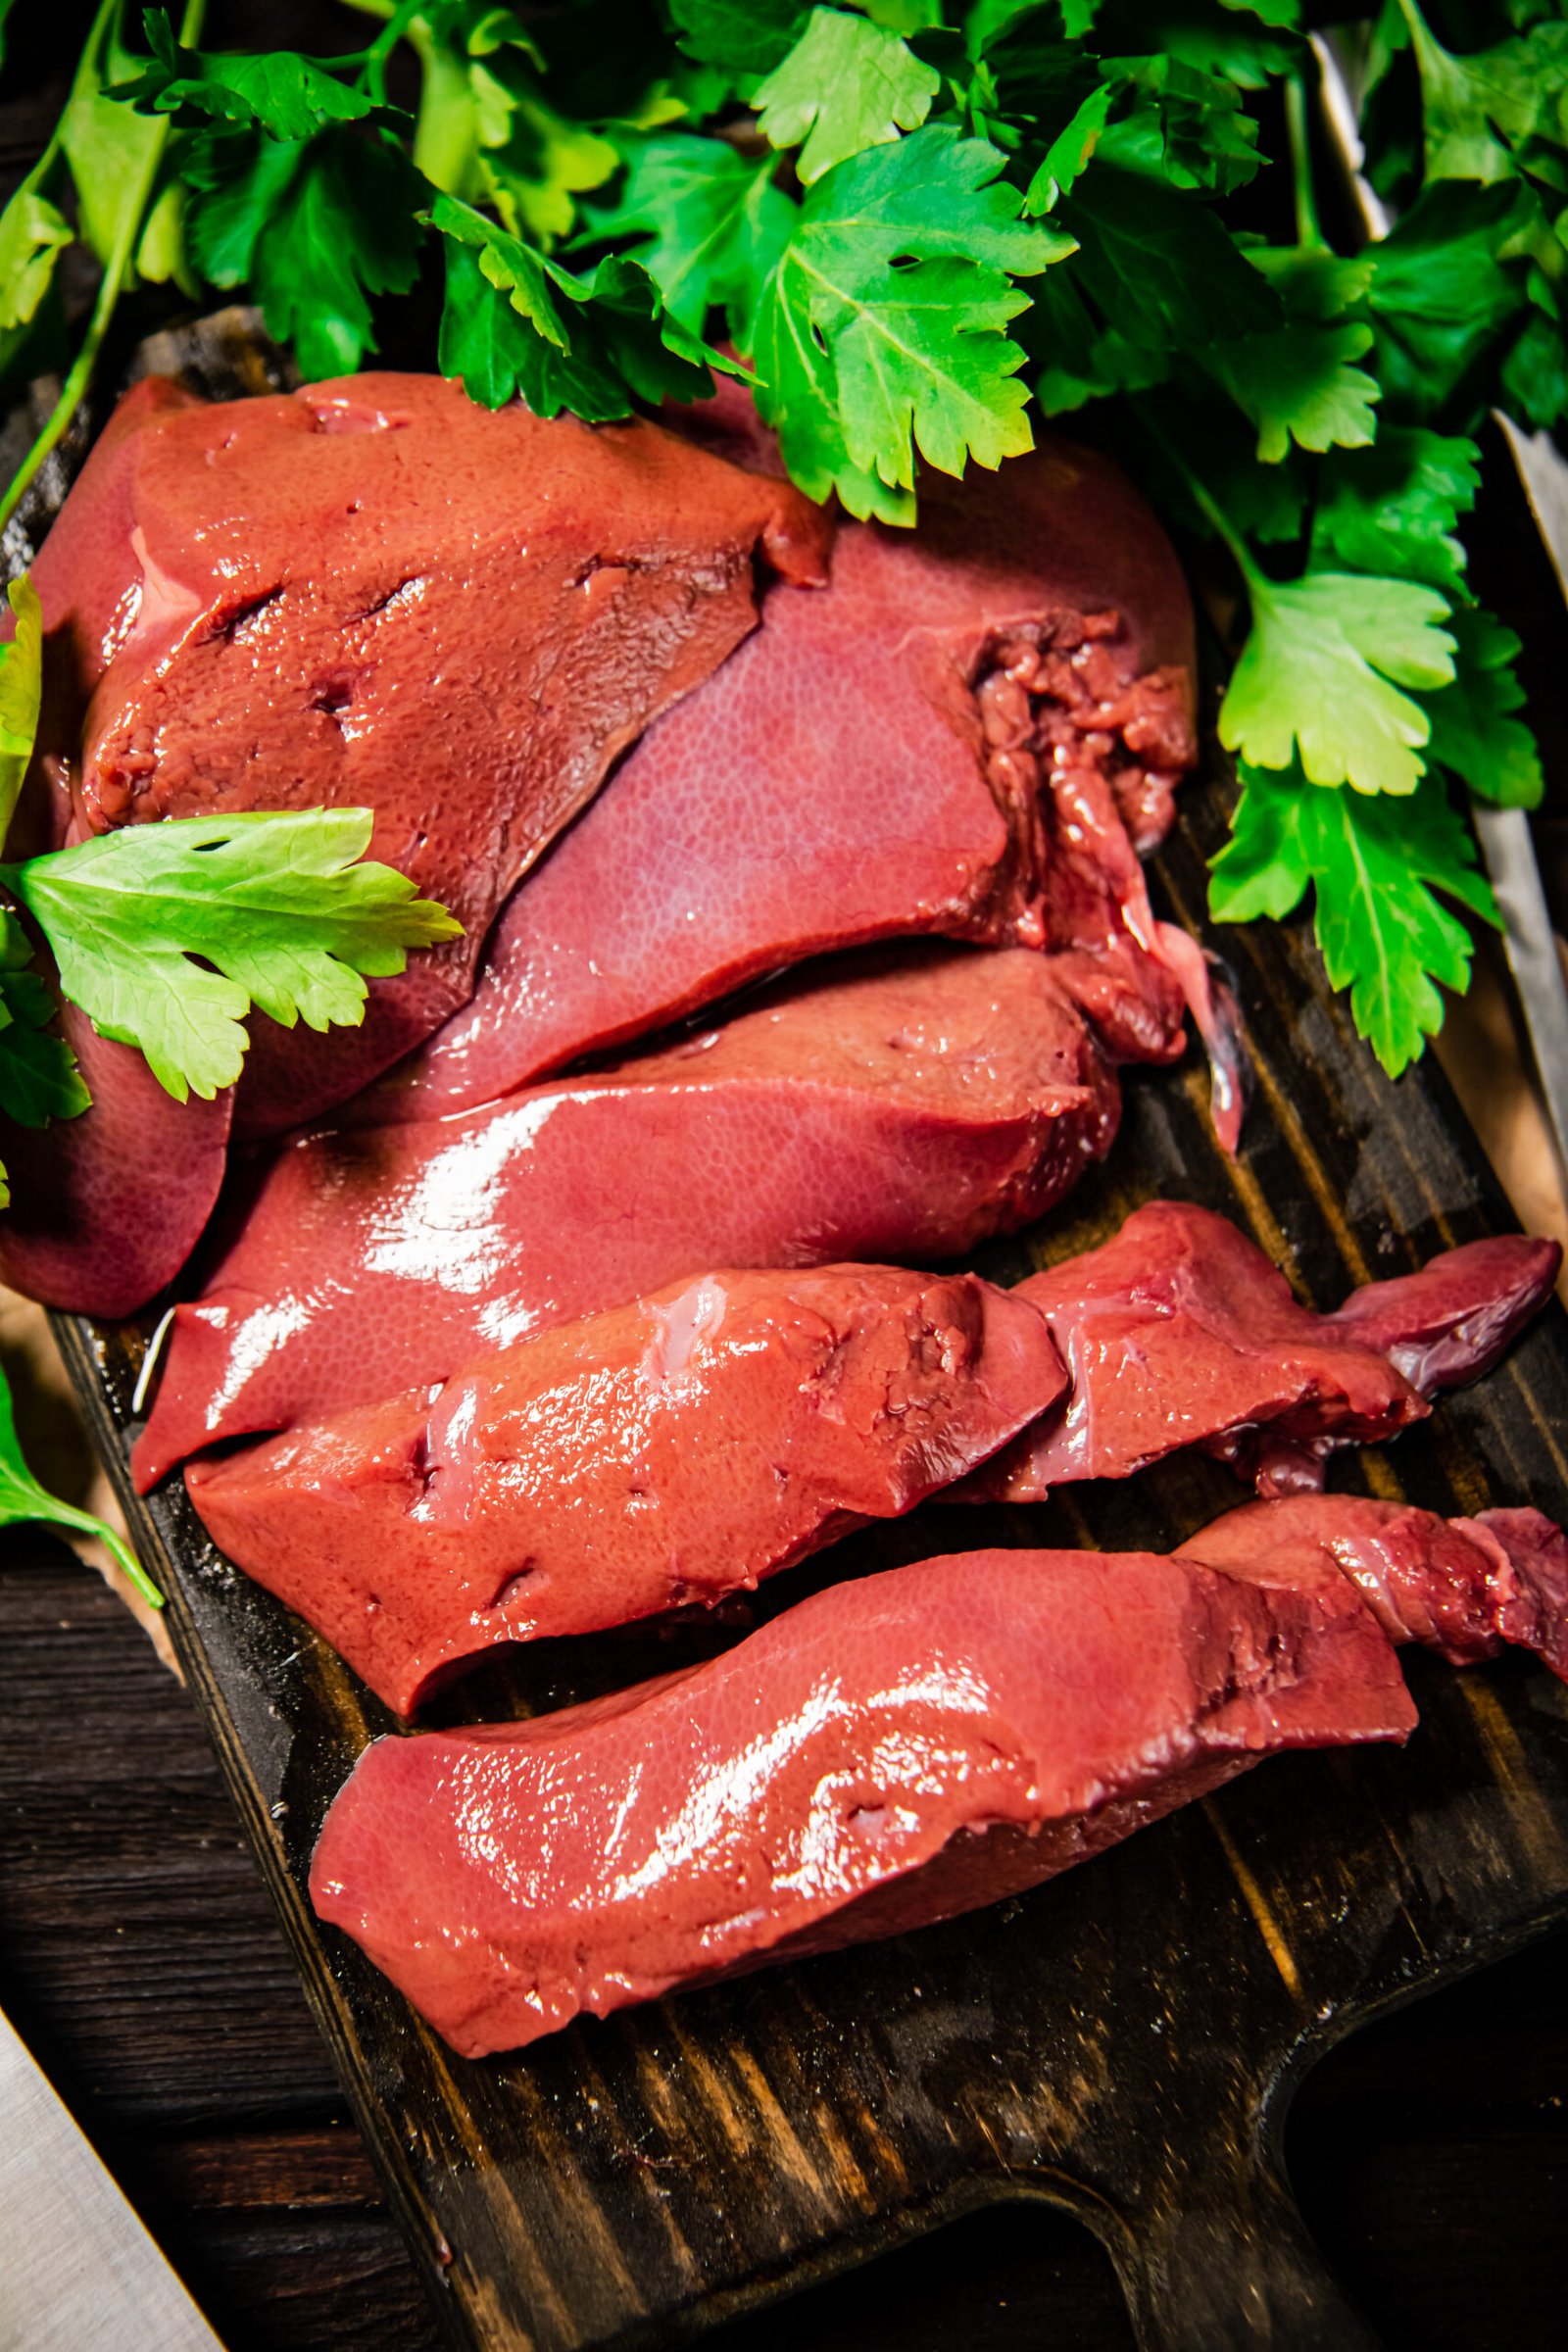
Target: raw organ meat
(576, 1480)
(891, 1752)
(376, 592)
(909, 751)
(664, 1452)
(105, 1207)
(1179, 1332)
(904, 1105)
(897, 1751)
(1466, 1588)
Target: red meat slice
(376, 592)
(568, 1482)
(659, 1454)
(1466, 1588)
(891, 1752)
(105, 1207)
(1179, 1332)
(897, 1750)
(905, 1106)
(908, 751)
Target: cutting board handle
(1221, 2261)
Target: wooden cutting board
(1123, 2043)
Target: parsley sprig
(23, 1499)
(168, 935)
(920, 227)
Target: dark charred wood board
(1122, 2042)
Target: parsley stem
(1308, 228)
(1257, 582)
(75, 386)
(381, 48)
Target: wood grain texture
(1123, 2043)
(140, 1953)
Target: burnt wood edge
(1165, 2262)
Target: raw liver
(865, 764)
(376, 592)
(902, 1105)
(1466, 1588)
(664, 1452)
(1179, 1332)
(682, 1448)
(888, 1754)
(105, 1207)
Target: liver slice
(1179, 1332)
(898, 1107)
(888, 1754)
(106, 1208)
(671, 1451)
(681, 1448)
(889, 756)
(376, 592)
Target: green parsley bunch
(921, 226)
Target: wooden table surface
(140, 1959)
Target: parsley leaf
(34, 232)
(845, 84)
(1376, 867)
(882, 328)
(38, 1075)
(495, 138)
(108, 150)
(283, 94)
(713, 224)
(1300, 385)
(1443, 296)
(1474, 731)
(514, 320)
(274, 902)
(39, 1079)
(1249, 45)
(1186, 126)
(20, 694)
(1534, 377)
(1264, 867)
(1069, 152)
(1299, 382)
(314, 226)
(1081, 357)
(1477, 111)
(23, 1499)
(1322, 669)
(1162, 267)
(743, 37)
(1395, 506)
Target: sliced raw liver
(890, 1753)
(574, 1480)
(902, 1105)
(1466, 1588)
(376, 592)
(1179, 1332)
(664, 1452)
(106, 1208)
(889, 756)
